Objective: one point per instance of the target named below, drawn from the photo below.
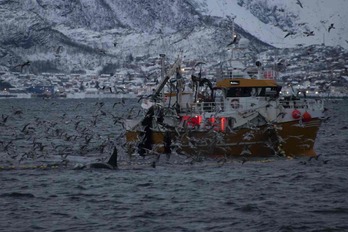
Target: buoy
(296, 114)
(306, 117)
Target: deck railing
(311, 104)
(205, 107)
(213, 107)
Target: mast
(163, 56)
(166, 76)
(234, 38)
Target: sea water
(41, 141)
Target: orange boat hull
(284, 139)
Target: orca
(111, 164)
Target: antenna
(233, 38)
(233, 18)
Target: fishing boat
(235, 117)
(240, 114)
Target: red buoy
(306, 117)
(296, 114)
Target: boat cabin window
(268, 91)
(272, 91)
(252, 91)
(239, 92)
(243, 92)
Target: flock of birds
(39, 139)
(289, 33)
(59, 138)
(307, 33)
(54, 139)
(25, 137)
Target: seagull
(299, 3)
(18, 112)
(59, 49)
(314, 157)
(331, 27)
(102, 51)
(6, 147)
(289, 33)
(246, 151)
(235, 40)
(309, 51)
(23, 65)
(25, 127)
(113, 106)
(222, 161)
(121, 90)
(309, 33)
(4, 118)
(281, 114)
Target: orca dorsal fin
(113, 158)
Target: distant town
(131, 83)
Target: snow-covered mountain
(271, 20)
(105, 35)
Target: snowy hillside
(271, 20)
(106, 35)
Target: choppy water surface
(268, 195)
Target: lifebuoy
(296, 114)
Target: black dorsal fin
(113, 159)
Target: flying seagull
(289, 33)
(23, 65)
(331, 27)
(299, 3)
(59, 49)
(309, 33)
(102, 51)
